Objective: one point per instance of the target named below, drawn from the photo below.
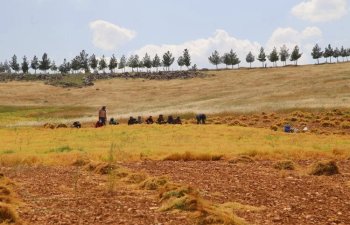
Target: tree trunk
(318, 61)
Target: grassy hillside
(244, 90)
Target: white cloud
(321, 10)
(200, 49)
(290, 37)
(108, 36)
(222, 41)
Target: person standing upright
(102, 115)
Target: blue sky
(62, 28)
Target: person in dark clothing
(149, 120)
(76, 124)
(161, 120)
(112, 121)
(201, 118)
(132, 121)
(177, 120)
(170, 120)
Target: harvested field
(67, 195)
(289, 197)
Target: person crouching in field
(102, 116)
(149, 120)
(201, 118)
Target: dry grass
(8, 215)
(32, 146)
(326, 168)
(188, 156)
(284, 165)
(230, 90)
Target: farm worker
(102, 115)
(201, 118)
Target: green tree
(102, 65)
(273, 57)
(156, 63)
(75, 64)
(122, 63)
(113, 63)
(34, 64)
(2, 67)
(328, 53)
(187, 58)
(284, 54)
(147, 62)
(343, 53)
(53, 66)
(250, 58)
(262, 56)
(336, 54)
(168, 60)
(45, 63)
(133, 62)
(295, 56)
(317, 53)
(225, 59)
(6, 67)
(215, 58)
(347, 54)
(181, 62)
(84, 61)
(140, 66)
(14, 64)
(25, 65)
(65, 67)
(93, 62)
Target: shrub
(284, 165)
(326, 168)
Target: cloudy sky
(62, 28)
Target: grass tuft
(284, 165)
(188, 156)
(326, 168)
(8, 215)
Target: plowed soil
(69, 195)
(292, 197)
(65, 195)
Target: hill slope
(244, 90)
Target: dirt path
(289, 197)
(66, 195)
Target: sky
(62, 28)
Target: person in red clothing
(102, 116)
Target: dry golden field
(244, 90)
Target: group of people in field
(102, 119)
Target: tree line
(231, 58)
(86, 63)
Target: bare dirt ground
(291, 197)
(68, 195)
(65, 195)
